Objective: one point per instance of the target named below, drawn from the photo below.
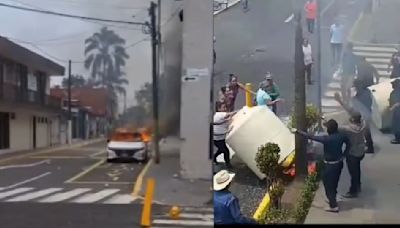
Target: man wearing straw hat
(226, 205)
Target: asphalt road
(68, 188)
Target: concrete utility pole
(319, 59)
(154, 42)
(300, 101)
(69, 136)
(197, 68)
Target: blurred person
(311, 13)
(226, 205)
(366, 72)
(349, 66)
(308, 60)
(336, 40)
(355, 131)
(395, 63)
(362, 103)
(333, 159)
(221, 129)
(263, 98)
(234, 86)
(273, 91)
(394, 104)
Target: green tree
(76, 81)
(105, 53)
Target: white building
(29, 116)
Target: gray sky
(64, 38)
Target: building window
(10, 72)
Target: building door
(34, 120)
(4, 130)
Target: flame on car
(131, 135)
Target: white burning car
(128, 145)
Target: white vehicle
(128, 145)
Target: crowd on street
(355, 137)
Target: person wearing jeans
(333, 159)
(336, 40)
(221, 129)
(311, 13)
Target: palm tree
(105, 52)
(105, 56)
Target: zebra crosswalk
(378, 55)
(65, 195)
(189, 217)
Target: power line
(94, 22)
(96, 5)
(71, 16)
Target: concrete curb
(227, 7)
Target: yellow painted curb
(262, 208)
(139, 180)
(289, 160)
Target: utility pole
(319, 65)
(154, 43)
(69, 104)
(300, 101)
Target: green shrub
(307, 195)
(277, 216)
(312, 117)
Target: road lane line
(64, 195)
(23, 165)
(120, 199)
(206, 217)
(290, 18)
(59, 157)
(97, 153)
(14, 192)
(183, 222)
(81, 174)
(94, 197)
(34, 195)
(139, 180)
(102, 182)
(26, 181)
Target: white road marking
(97, 153)
(93, 197)
(26, 181)
(120, 199)
(375, 48)
(290, 18)
(34, 195)
(374, 54)
(14, 192)
(64, 195)
(378, 60)
(197, 216)
(183, 222)
(205, 209)
(334, 85)
(24, 165)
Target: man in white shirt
(337, 39)
(221, 129)
(308, 60)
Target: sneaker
(332, 209)
(350, 195)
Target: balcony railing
(14, 93)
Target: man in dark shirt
(333, 159)
(366, 72)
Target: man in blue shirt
(226, 205)
(333, 159)
(263, 98)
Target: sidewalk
(76, 143)
(170, 189)
(378, 202)
(381, 26)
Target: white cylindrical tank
(253, 127)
